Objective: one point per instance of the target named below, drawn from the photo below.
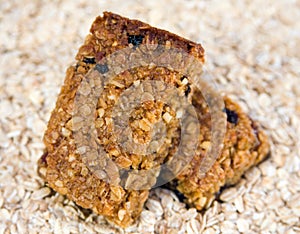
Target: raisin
(89, 60)
(135, 40)
(102, 68)
(232, 116)
(189, 47)
(187, 91)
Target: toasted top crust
(110, 29)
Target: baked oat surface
(63, 166)
(245, 145)
(248, 58)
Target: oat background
(252, 51)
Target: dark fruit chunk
(89, 60)
(102, 68)
(187, 91)
(232, 116)
(135, 40)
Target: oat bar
(245, 145)
(63, 167)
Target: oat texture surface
(252, 53)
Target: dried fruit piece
(232, 116)
(102, 68)
(89, 60)
(135, 40)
